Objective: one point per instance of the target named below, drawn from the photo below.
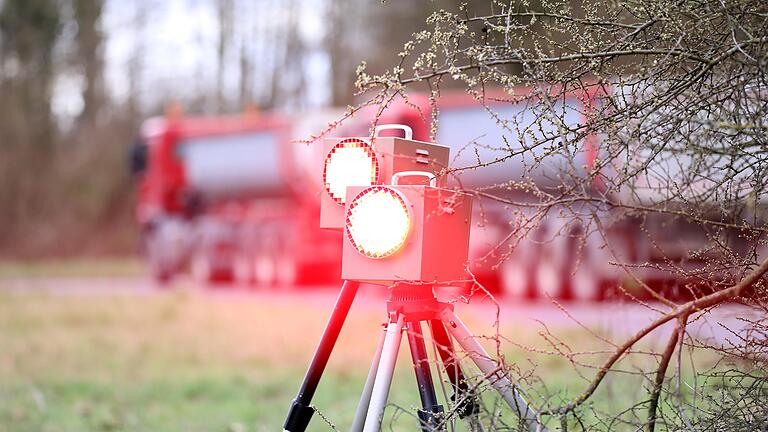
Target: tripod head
(416, 302)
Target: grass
(78, 267)
(186, 360)
(175, 361)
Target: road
(614, 320)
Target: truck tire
(161, 268)
(200, 269)
(587, 285)
(244, 270)
(161, 276)
(518, 276)
(205, 271)
(264, 270)
(515, 280)
(286, 272)
(549, 280)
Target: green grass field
(81, 267)
(191, 361)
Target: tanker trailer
(219, 197)
(564, 255)
(558, 256)
(703, 182)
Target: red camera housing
(435, 249)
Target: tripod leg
(490, 368)
(384, 374)
(301, 412)
(365, 398)
(467, 405)
(429, 414)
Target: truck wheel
(286, 272)
(162, 277)
(587, 285)
(160, 271)
(207, 272)
(200, 269)
(264, 270)
(244, 272)
(549, 280)
(515, 280)
(223, 274)
(160, 268)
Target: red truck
(235, 197)
(228, 197)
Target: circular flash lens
(378, 222)
(351, 162)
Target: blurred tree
(28, 34)
(89, 41)
(28, 31)
(292, 90)
(344, 19)
(376, 35)
(246, 68)
(136, 62)
(225, 15)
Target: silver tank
(241, 164)
(492, 148)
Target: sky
(179, 41)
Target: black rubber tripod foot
(430, 419)
(466, 405)
(298, 417)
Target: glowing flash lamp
(378, 222)
(351, 162)
(365, 161)
(402, 232)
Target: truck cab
(222, 197)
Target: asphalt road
(616, 320)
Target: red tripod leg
(301, 410)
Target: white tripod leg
(365, 398)
(490, 368)
(384, 374)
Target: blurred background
(142, 141)
(78, 77)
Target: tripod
(408, 306)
